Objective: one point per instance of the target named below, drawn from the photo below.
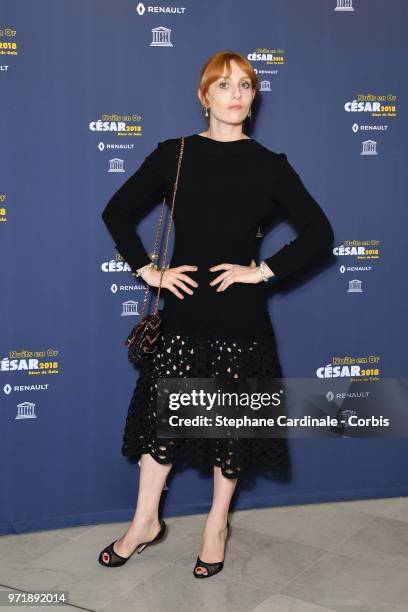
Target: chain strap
(155, 253)
(154, 256)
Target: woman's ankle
(218, 518)
(144, 523)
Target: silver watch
(140, 270)
(262, 271)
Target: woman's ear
(201, 98)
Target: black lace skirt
(190, 355)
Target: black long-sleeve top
(226, 190)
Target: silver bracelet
(140, 270)
(262, 271)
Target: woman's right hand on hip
(172, 278)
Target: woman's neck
(214, 135)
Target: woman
(215, 318)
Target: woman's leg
(213, 542)
(145, 523)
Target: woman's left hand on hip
(235, 273)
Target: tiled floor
(347, 556)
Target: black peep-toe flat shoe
(109, 558)
(212, 568)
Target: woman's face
(230, 98)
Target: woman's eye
(246, 83)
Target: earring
(249, 113)
(206, 111)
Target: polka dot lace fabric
(184, 355)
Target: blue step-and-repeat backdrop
(88, 89)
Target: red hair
(214, 69)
